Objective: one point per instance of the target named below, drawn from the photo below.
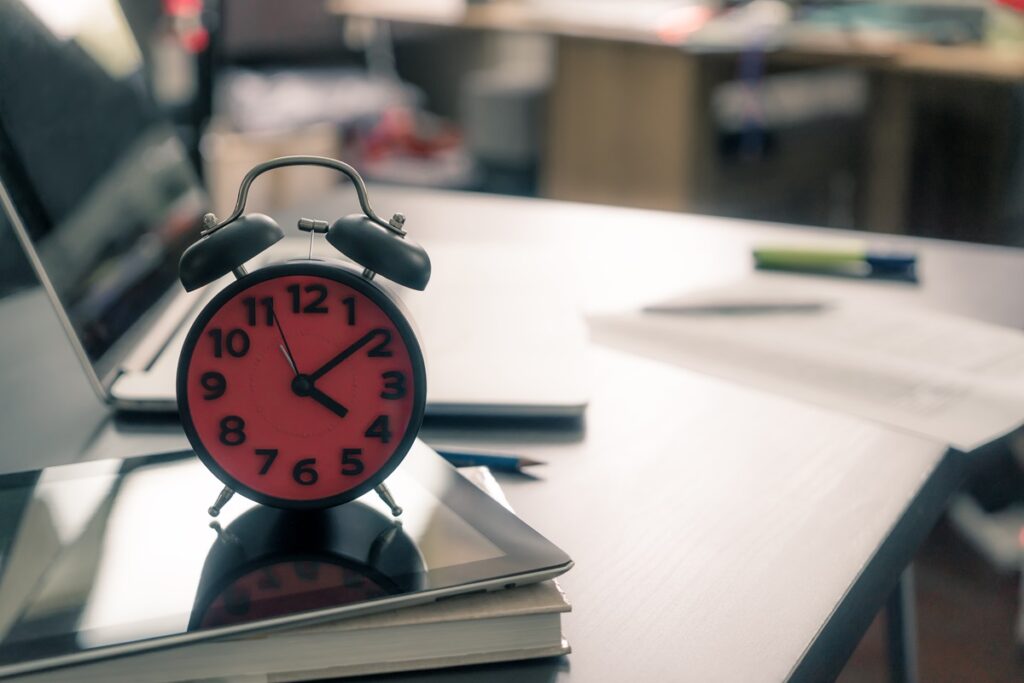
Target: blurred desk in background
(719, 533)
(629, 120)
(813, 43)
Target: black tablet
(109, 557)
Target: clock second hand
(285, 349)
(288, 358)
(302, 384)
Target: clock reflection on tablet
(271, 563)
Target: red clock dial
(301, 385)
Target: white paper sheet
(942, 376)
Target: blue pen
(503, 463)
(883, 264)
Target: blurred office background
(898, 117)
(891, 117)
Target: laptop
(103, 199)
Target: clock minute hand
(348, 351)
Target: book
(507, 625)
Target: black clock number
(235, 342)
(303, 472)
(307, 570)
(379, 351)
(351, 464)
(232, 431)
(379, 429)
(266, 302)
(350, 309)
(314, 306)
(270, 454)
(215, 385)
(237, 601)
(394, 385)
(269, 580)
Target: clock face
(301, 385)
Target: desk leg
(889, 149)
(628, 124)
(901, 630)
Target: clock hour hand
(302, 385)
(328, 402)
(348, 351)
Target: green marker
(840, 261)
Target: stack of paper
(949, 378)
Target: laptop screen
(100, 182)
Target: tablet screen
(107, 553)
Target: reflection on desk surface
(271, 562)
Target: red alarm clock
(302, 384)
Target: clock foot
(381, 543)
(223, 535)
(222, 498)
(385, 495)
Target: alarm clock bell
(375, 248)
(218, 253)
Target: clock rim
(332, 271)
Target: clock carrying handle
(304, 160)
(367, 239)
